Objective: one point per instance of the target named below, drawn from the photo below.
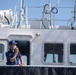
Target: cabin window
(73, 53)
(24, 48)
(1, 51)
(53, 52)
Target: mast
(75, 11)
(73, 20)
(21, 13)
(26, 16)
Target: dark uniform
(9, 55)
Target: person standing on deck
(13, 55)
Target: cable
(56, 10)
(43, 22)
(54, 7)
(7, 19)
(46, 12)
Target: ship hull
(11, 70)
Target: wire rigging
(53, 9)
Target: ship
(46, 48)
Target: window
(73, 53)
(24, 48)
(53, 52)
(1, 51)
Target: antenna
(57, 3)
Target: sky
(37, 13)
(64, 14)
(9, 4)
